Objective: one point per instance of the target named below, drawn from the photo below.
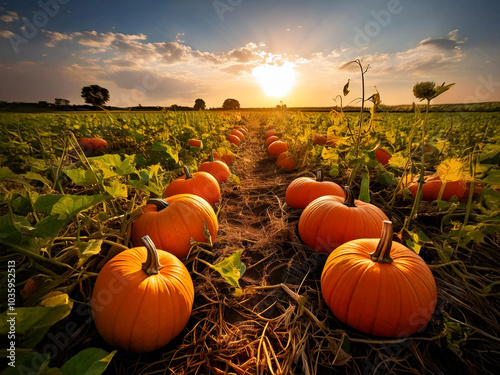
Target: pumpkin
(92, 145)
(242, 129)
(379, 287)
(271, 132)
(286, 161)
(216, 168)
(328, 222)
(432, 185)
(271, 139)
(237, 133)
(142, 299)
(234, 139)
(202, 184)
(196, 143)
(224, 155)
(304, 190)
(171, 223)
(382, 156)
(276, 148)
(319, 139)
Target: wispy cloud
(9, 16)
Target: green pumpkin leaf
(6, 173)
(27, 362)
(33, 323)
(88, 249)
(167, 148)
(81, 177)
(66, 206)
(231, 269)
(492, 178)
(116, 189)
(91, 361)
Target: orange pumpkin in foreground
(379, 287)
(142, 299)
(172, 223)
(202, 184)
(286, 161)
(216, 168)
(382, 156)
(329, 221)
(270, 133)
(304, 190)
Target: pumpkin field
(382, 259)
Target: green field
(65, 213)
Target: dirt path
(264, 329)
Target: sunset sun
(275, 80)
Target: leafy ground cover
(63, 214)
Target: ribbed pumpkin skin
(137, 312)
(304, 190)
(216, 168)
(172, 228)
(384, 299)
(276, 148)
(327, 223)
(286, 161)
(202, 184)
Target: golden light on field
(275, 80)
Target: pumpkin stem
(211, 157)
(382, 253)
(349, 197)
(187, 172)
(152, 264)
(159, 203)
(319, 175)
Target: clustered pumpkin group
(143, 297)
(279, 149)
(370, 283)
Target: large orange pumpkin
(304, 190)
(142, 299)
(172, 223)
(329, 221)
(276, 148)
(286, 161)
(216, 168)
(379, 287)
(202, 184)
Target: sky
(164, 52)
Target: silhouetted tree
(231, 104)
(95, 95)
(199, 104)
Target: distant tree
(59, 101)
(95, 95)
(199, 104)
(231, 104)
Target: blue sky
(159, 52)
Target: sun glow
(275, 80)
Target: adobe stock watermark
(57, 342)
(223, 6)
(484, 89)
(380, 19)
(30, 29)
